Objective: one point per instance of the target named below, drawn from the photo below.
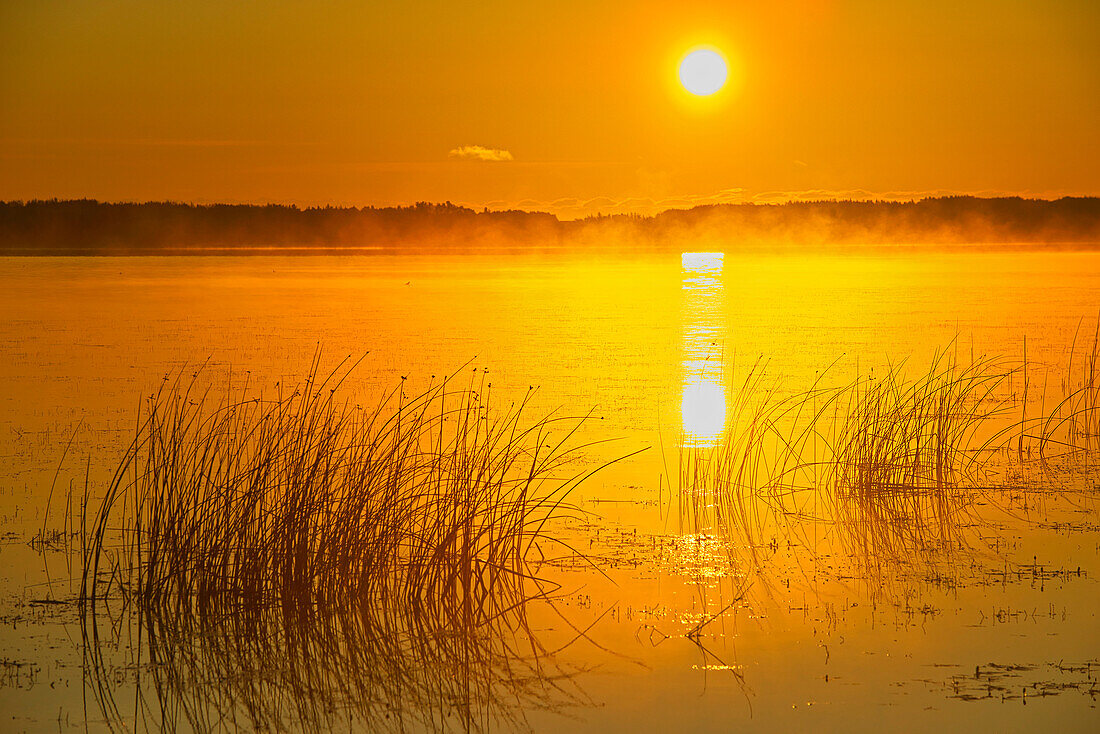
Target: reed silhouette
(889, 468)
(299, 560)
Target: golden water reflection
(703, 396)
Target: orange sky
(363, 103)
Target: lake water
(817, 630)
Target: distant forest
(91, 227)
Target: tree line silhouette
(91, 227)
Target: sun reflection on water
(703, 397)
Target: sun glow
(703, 72)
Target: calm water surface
(650, 344)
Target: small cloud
(478, 153)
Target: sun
(703, 72)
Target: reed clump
(889, 466)
(901, 435)
(257, 533)
(905, 458)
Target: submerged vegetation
(299, 558)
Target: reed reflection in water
(703, 397)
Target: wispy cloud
(479, 153)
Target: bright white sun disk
(703, 72)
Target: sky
(571, 107)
